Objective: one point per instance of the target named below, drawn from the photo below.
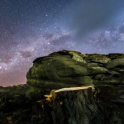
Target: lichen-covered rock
(97, 70)
(60, 69)
(114, 63)
(77, 57)
(92, 64)
(115, 55)
(71, 68)
(98, 58)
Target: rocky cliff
(65, 69)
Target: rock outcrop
(65, 69)
(70, 68)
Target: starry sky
(34, 28)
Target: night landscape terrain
(61, 62)
(93, 91)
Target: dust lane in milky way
(29, 29)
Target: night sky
(34, 28)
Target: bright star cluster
(34, 28)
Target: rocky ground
(65, 69)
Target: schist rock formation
(67, 87)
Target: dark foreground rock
(101, 104)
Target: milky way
(34, 28)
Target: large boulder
(67, 68)
(71, 68)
